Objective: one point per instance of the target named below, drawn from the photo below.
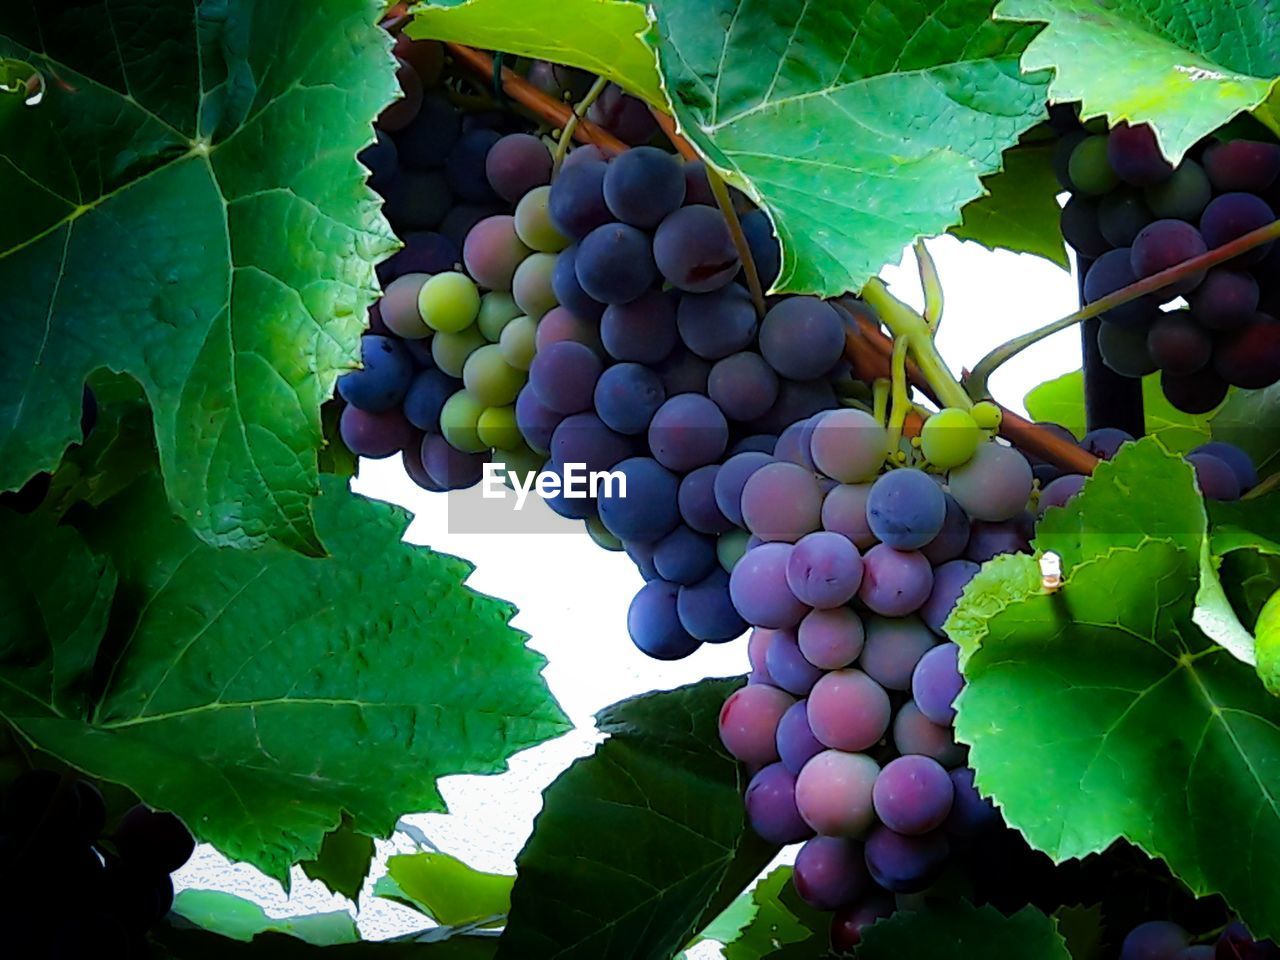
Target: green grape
(730, 548)
(449, 302)
(497, 428)
(1089, 169)
(490, 379)
(533, 224)
(497, 309)
(986, 415)
(459, 422)
(531, 285)
(519, 342)
(598, 532)
(521, 461)
(949, 438)
(451, 350)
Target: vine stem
(931, 283)
(901, 396)
(725, 202)
(576, 117)
(1268, 485)
(980, 377)
(905, 324)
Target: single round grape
(904, 864)
(1079, 226)
(564, 281)
(451, 350)
(643, 185)
(586, 152)
(788, 666)
(641, 554)
(533, 222)
(1154, 940)
(1061, 491)
(400, 113)
(824, 570)
(796, 743)
(694, 251)
(627, 396)
(654, 626)
(833, 793)
(1249, 358)
(994, 485)
(848, 923)
(648, 511)
(531, 285)
(625, 116)
(688, 431)
(384, 378)
(743, 386)
(685, 556)
(1239, 461)
(497, 428)
(564, 375)
(717, 324)
(449, 302)
(936, 683)
(732, 478)
(795, 441)
(949, 438)
(424, 251)
(1135, 156)
(562, 83)
(831, 639)
(576, 205)
(952, 539)
(1111, 272)
(459, 422)
(1199, 393)
(1105, 442)
(912, 795)
(449, 467)
(914, 733)
(781, 501)
(758, 587)
(1248, 165)
(464, 167)
(766, 252)
(642, 331)
(707, 611)
(894, 645)
(153, 840)
(1124, 350)
(989, 540)
(1089, 169)
(570, 507)
(987, 415)
(697, 186)
(906, 508)
(497, 309)
(848, 710)
(560, 324)
(584, 439)
(844, 511)
(758, 643)
(1226, 300)
(399, 307)
(802, 337)
(1216, 479)
(771, 805)
(971, 813)
(426, 398)
(830, 872)
(849, 445)
(697, 499)
(1183, 196)
(1179, 345)
(1164, 244)
(537, 421)
(614, 263)
(518, 343)
(1232, 215)
(374, 435)
(489, 378)
(516, 164)
(1122, 215)
(894, 582)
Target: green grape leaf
(193, 215)
(261, 694)
(959, 930)
(634, 841)
(1188, 68)
(857, 128)
(1061, 401)
(1268, 632)
(1082, 930)
(174, 942)
(343, 862)
(445, 889)
(1155, 734)
(240, 919)
(1251, 420)
(602, 36)
(1020, 209)
(781, 921)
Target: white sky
(573, 596)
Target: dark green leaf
(1251, 420)
(959, 931)
(193, 215)
(780, 921)
(239, 919)
(344, 860)
(1081, 929)
(1020, 211)
(187, 944)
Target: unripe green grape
(490, 379)
(986, 415)
(459, 422)
(497, 428)
(451, 350)
(497, 309)
(730, 548)
(1089, 169)
(531, 285)
(949, 438)
(521, 461)
(533, 223)
(449, 302)
(598, 532)
(519, 342)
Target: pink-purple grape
(830, 872)
(1248, 165)
(824, 570)
(654, 625)
(516, 164)
(688, 431)
(833, 793)
(937, 682)
(848, 710)
(788, 666)
(906, 508)
(563, 376)
(893, 647)
(914, 733)
(903, 864)
(771, 806)
(796, 743)
(749, 723)
(793, 443)
(1135, 156)
(831, 639)
(894, 582)
(1164, 244)
(642, 331)
(1232, 215)
(1214, 476)
(759, 589)
(758, 644)
(844, 511)
(849, 445)
(1061, 491)
(782, 501)
(450, 468)
(994, 485)
(559, 325)
(912, 795)
(949, 581)
(375, 435)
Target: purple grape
(1061, 491)
(428, 140)
(1247, 165)
(949, 581)
(707, 610)
(894, 582)
(937, 682)
(971, 813)
(1198, 393)
(1226, 300)
(565, 285)
(849, 445)
(642, 331)
(648, 511)
(848, 710)
(411, 459)
(848, 924)
(904, 864)
(571, 508)
(694, 251)
(614, 263)
(1216, 479)
(1240, 462)
(1105, 442)
(1249, 358)
(684, 556)
(625, 116)
(683, 372)
(844, 511)
(654, 624)
(1111, 272)
(423, 252)
(375, 435)
(1154, 940)
(1135, 156)
(796, 743)
(830, 872)
(766, 252)
(537, 422)
(516, 164)
(749, 723)
(771, 806)
(1165, 244)
(914, 733)
(825, 570)
(697, 186)
(797, 399)
(788, 666)
(833, 793)
(988, 540)
(1232, 215)
(465, 164)
(627, 395)
(758, 644)
(583, 438)
(732, 478)
(716, 324)
(643, 185)
(449, 468)
(426, 397)
(892, 649)
(560, 325)
(1178, 345)
(688, 431)
(906, 509)
(576, 205)
(697, 501)
(758, 586)
(781, 501)
(802, 338)
(563, 376)
(743, 386)
(994, 485)
(831, 639)
(1079, 225)
(912, 795)
(953, 538)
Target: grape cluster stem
(576, 117)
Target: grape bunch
(1133, 214)
(1165, 940)
(52, 837)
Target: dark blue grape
(694, 251)
(732, 477)
(802, 338)
(971, 813)
(627, 395)
(649, 510)
(796, 743)
(764, 246)
(697, 500)
(684, 556)
(614, 263)
(451, 469)
(643, 185)
(683, 371)
(584, 438)
(1240, 462)
(643, 331)
(537, 422)
(906, 509)
(464, 167)
(381, 161)
(743, 386)
(1111, 272)
(707, 612)
(382, 382)
(564, 375)
(1215, 477)
(1105, 442)
(426, 397)
(427, 141)
(715, 325)
(904, 864)
(565, 285)
(654, 624)
(688, 431)
(576, 205)
(1080, 228)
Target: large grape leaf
(1140, 726)
(191, 213)
(1020, 210)
(603, 36)
(634, 842)
(1186, 68)
(239, 919)
(261, 694)
(958, 929)
(859, 126)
